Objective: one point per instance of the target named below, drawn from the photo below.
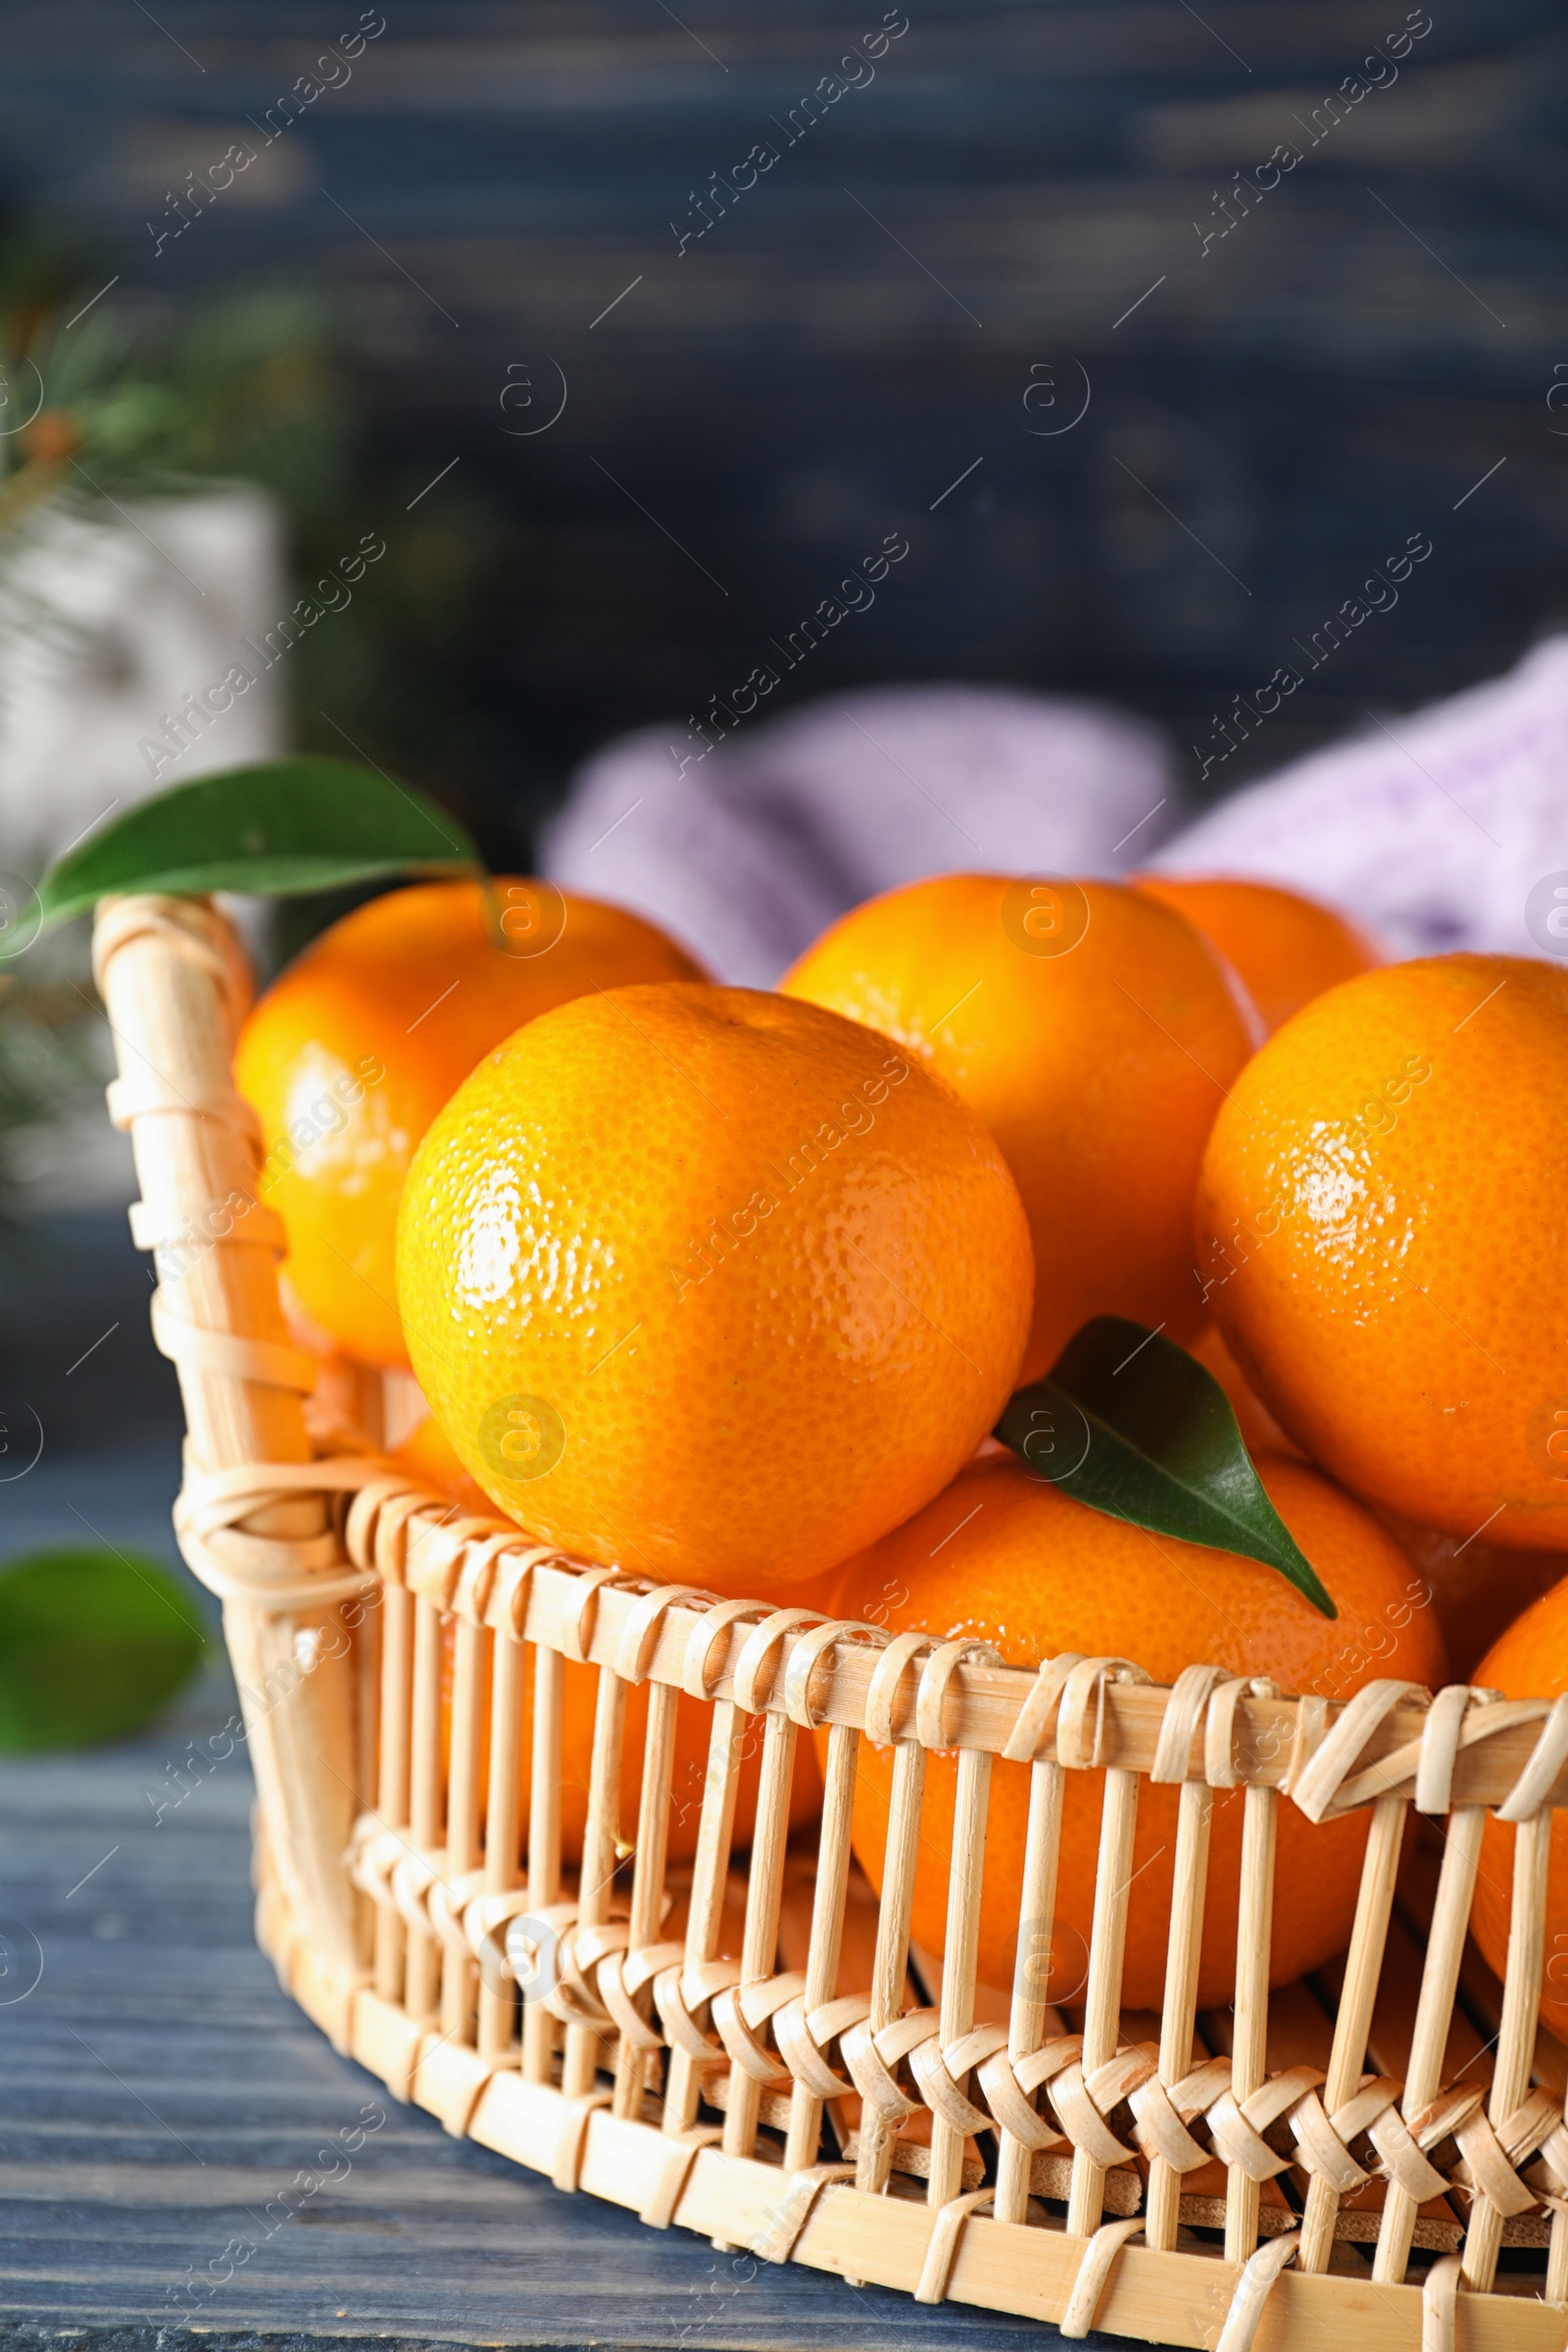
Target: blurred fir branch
(243, 389)
(141, 403)
(48, 1034)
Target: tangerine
(427, 1454)
(1287, 948)
(1260, 1432)
(1380, 1231)
(1095, 1032)
(349, 1053)
(1008, 1558)
(1478, 1589)
(711, 1282)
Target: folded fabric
(1447, 829)
(752, 850)
(1444, 829)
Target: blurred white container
(110, 617)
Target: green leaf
(1131, 1425)
(91, 1643)
(276, 831)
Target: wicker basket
(769, 2061)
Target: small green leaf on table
(1130, 1424)
(277, 830)
(91, 1645)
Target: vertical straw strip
(1194, 1819)
(363, 1622)
(598, 1860)
(1119, 1820)
(463, 1811)
(392, 1785)
(1250, 2047)
(1364, 1964)
(1440, 1980)
(1036, 1908)
(895, 1905)
(1199, 1693)
(1516, 2042)
(639, 1640)
(544, 1840)
(503, 1820)
(425, 1799)
(961, 1946)
(1026, 2018)
(648, 1875)
(1083, 1688)
(965, 1877)
(827, 1925)
(763, 1900)
(704, 1915)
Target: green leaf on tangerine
(1133, 1426)
(277, 830)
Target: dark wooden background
(757, 413)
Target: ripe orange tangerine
(427, 1454)
(1287, 948)
(709, 1283)
(1380, 1229)
(1478, 1589)
(1095, 1031)
(1260, 1432)
(1006, 1558)
(349, 1053)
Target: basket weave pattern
(662, 2060)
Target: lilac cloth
(1431, 830)
(754, 849)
